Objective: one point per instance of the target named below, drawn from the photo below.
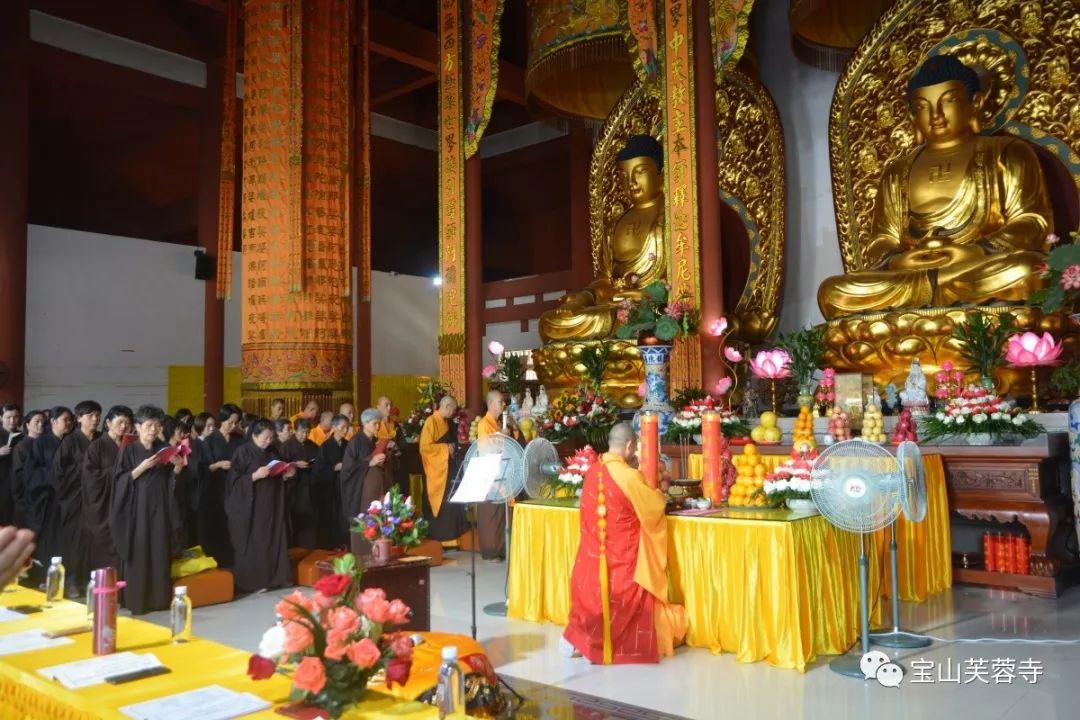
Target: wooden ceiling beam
(406, 43)
(405, 88)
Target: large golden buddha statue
(633, 257)
(961, 219)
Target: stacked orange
(752, 468)
(803, 435)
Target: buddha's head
(641, 163)
(944, 98)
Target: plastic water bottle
(180, 614)
(450, 692)
(90, 598)
(54, 582)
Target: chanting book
(166, 454)
(279, 467)
(13, 437)
(381, 446)
(127, 440)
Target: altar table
(27, 695)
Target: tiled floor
(697, 684)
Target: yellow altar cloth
(27, 695)
(753, 583)
(924, 550)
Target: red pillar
(580, 244)
(474, 286)
(712, 281)
(209, 190)
(14, 213)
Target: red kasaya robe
(619, 611)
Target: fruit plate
(768, 442)
(739, 441)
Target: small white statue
(541, 405)
(526, 406)
(914, 396)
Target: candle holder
(772, 393)
(1034, 391)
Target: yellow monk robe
(388, 430)
(317, 435)
(491, 517)
(435, 456)
(619, 611)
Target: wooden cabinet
(407, 580)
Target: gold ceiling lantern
(578, 64)
(824, 33)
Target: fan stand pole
(896, 638)
(472, 575)
(848, 664)
(499, 609)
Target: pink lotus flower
(718, 327)
(723, 385)
(496, 348)
(1030, 350)
(771, 365)
(489, 371)
(1070, 277)
(732, 355)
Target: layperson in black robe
(326, 487)
(98, 465)
(10, 434)
(258, 516)
(301, 512)
(213, 522)
(42, 504)
(67, 478)
(146, 520)
(362, 469)
(33, 428)
(177, 432)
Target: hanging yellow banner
(642, 38)
(728, 23)
(484, 40)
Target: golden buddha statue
(633, 257)
(961, 219)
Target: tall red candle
(711, 483)
(649, 449)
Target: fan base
(899, 639)
(497, 609)
(848, 665)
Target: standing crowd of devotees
(101, 492)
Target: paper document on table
(482, 471)
(85, 673)
(209, 703)
(28, 640)
(10, 615)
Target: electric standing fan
(542, 464)
(857, 486)
(507, 484)
(913, 503)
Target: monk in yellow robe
(491, 517)
(324, 429)
(390, 431)
(619, 609)
(438, 446)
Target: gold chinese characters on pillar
(680, 148)
(296, 316)
(451, 198)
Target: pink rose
(287, 607)
(310, 676)
(337, 643)
(399, 612)
(344, 619)
(298, 637)
(364, 654)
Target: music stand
(476, 478)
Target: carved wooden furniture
(408, 580)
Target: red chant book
(380, 447)
(127, 440)
(166, 454)
(278, 467)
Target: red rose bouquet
(334, 641)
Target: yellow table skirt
(27, 695)
(924, 557)
(779, 591)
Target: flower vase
(382, 550)
(1074, 455)
(656, 358)
(338, 701)
(398, 551)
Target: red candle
(989, 553)
(711, 483)
(1004, 552)
(1022, 554)
(649, 449)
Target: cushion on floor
(210, 587)
(429, 548)
(307, 574)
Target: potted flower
(582, 415)
(982, 341)
(790, 484)
(507, 372)
(655, 319)
(332, 642)
(571, 477)
(805, 349)
(394, 520)
(978, 417)
(1062, 276)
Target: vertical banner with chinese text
(485, 36)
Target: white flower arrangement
(976, 411)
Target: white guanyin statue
(526, 409)
(541, 405)
(914, 396)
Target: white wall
(404, 325)
(803, 95)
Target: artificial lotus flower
(1029, 350)
(718, 327)
(496, 348)
(489, 371)
(771, 365)
(723, 385)
(732, 354)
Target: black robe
(360, 482)
(7, 462)
(98, 465)
(326, 495)
(67, 478)
(20, 460)
(147, 527)
(42, 508)
(213, 522)
(302, 520)
(258, 522)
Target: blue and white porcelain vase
(656, 359)
(1074, 456)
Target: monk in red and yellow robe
(619, 611)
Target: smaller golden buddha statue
(632, 257)
(961, 219)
